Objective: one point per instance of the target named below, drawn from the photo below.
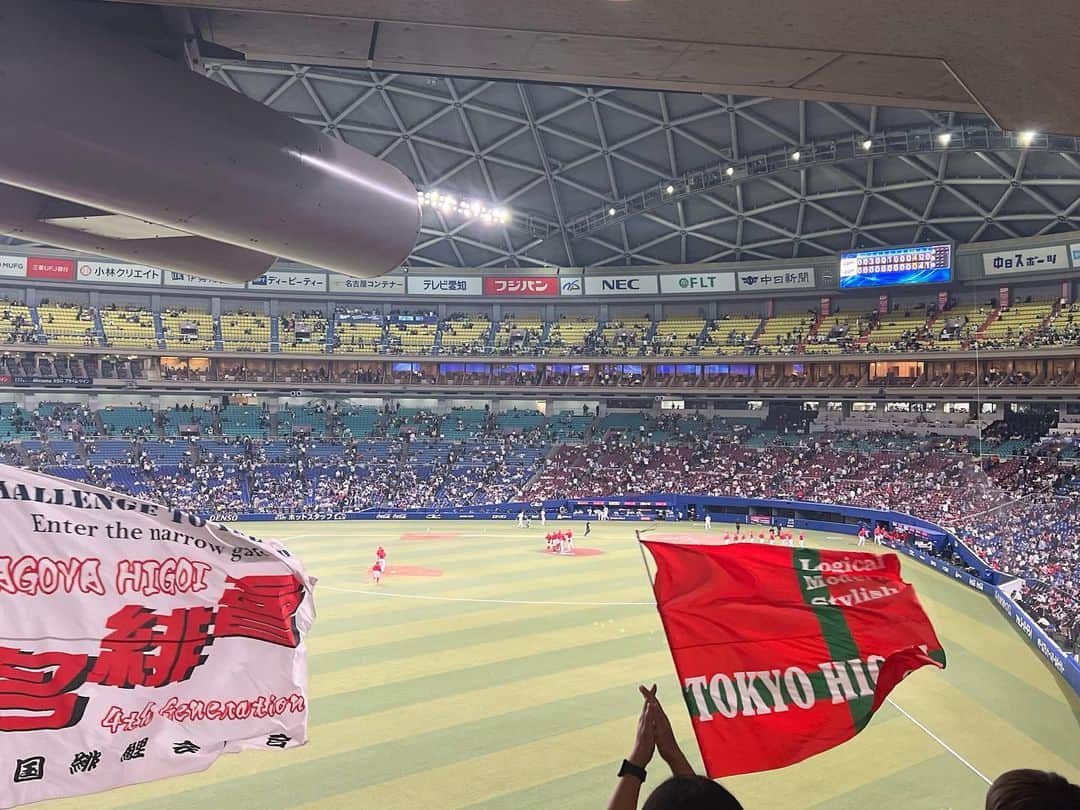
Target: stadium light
(670, 189)
(796, 155)
(611, 212)
(1026, 137)
(730, 170)
(469, 209)
(944, 138)
(867, 144)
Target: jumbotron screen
(918, 264)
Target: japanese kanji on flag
(783, 652)
(138, 642)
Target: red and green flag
(783, 652)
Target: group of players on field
(561, 541)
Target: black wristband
(630, 769)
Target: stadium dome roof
(597, 176)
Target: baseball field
(484, 674)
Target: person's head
(691, 793)
(1028, 789)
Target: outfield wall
(748, 511)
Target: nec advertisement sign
(621, 285)
(521, 285)
(693, 283)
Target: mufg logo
(621, 284)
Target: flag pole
(645, 560)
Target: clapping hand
(662, 733)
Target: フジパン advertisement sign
(521, 285)
(138, 641)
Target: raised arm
(632, 772)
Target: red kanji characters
(152, 649)
(262, 608)
(36, 689)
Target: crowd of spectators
(1007, 510)
(1019, 513)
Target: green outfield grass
(510, 682)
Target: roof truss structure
(561, 156)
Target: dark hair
(1028, 789)
(691, 793)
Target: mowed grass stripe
(435, 643)
(586, 789)
(520, 568)
(996, 642)
(465, 782)
(363, 699)
(407, 741)
(471, 655)
(982, 732)
(495, 616)
(1034, 708)
(887, 746)
(556, 587)
(409, 611)
(505, 772)
(940, 781)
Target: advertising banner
(445, 285)
(1026, 260)
(521, 285)
(384, 285)
(695, 283)
(50, 269)
(113, 273)
(13, 266)
(1074, 252)
(138, 642)
(570, 285)
(24, 379)
(621, 285)
(299, 281)
(174, 279)
(766, 280)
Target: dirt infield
(421, 537)
(668, 537)
(578, 552)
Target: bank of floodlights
(462, 207)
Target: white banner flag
(138, 642)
